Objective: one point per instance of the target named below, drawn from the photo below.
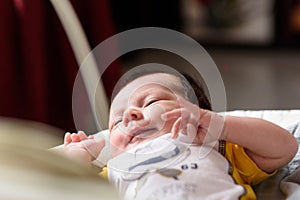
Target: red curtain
(37, 65)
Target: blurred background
(255, 44)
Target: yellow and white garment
(166, 169)
(244, 171)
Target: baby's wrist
(80, 155)
(223, 135)
(216, 128)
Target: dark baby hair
(198, 91)
(193, 89)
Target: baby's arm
(267, 144)
(81, 147)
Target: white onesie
(166, 169)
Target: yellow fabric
(244, 171)
(104, 173)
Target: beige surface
(36, 133)
(29, 171)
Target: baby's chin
(134, 142)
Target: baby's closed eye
(117, 121)
(150, 101)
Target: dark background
(38, 67)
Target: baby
(165, 146)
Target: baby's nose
(133, 114)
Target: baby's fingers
(176, 128)
(191, 132)
(176, 113)
(75, 137)
(67, 138)
(82, 135)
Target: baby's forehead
(147, 82)
(161, 78)
(153, 80)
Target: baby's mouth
(142, 134)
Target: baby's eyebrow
(138, 100)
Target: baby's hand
(81, 147)
(75, 137)
(193, 122)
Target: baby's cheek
(116, 145)
(153, 114)
(115, 140)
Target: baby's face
(135, 115)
